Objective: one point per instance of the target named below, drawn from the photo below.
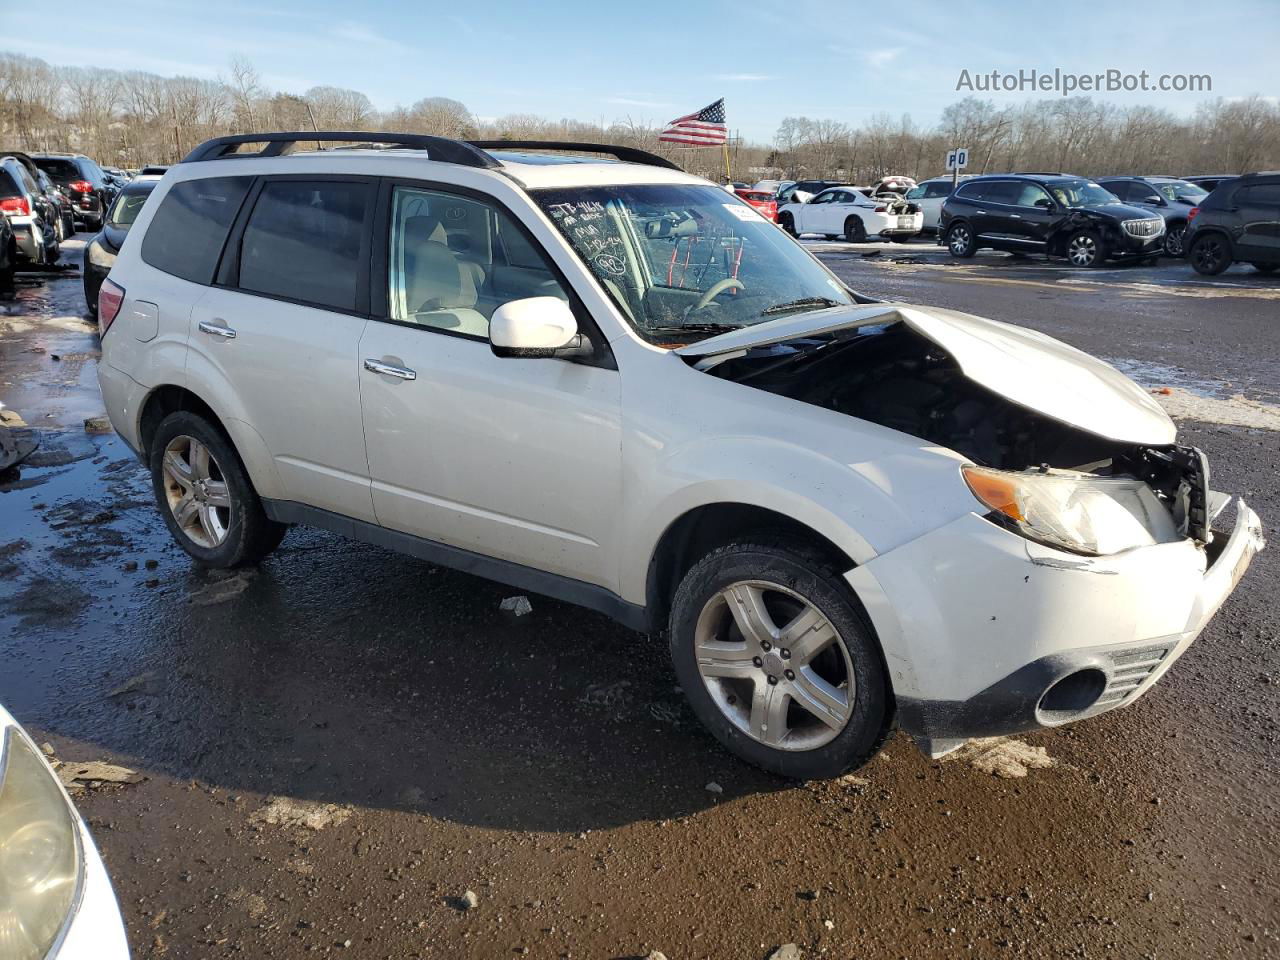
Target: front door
(518, 459)
(281, 333)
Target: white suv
(614, 383)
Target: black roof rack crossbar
(441, 149)
(625, 154)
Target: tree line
(129, 118)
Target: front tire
(205, 496)
(1173, 240)
(1210, 255)
(1086, 248)
(787, 223)
(778, 660)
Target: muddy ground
(337, 747)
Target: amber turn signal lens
(998, 491)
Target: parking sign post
(957, 160)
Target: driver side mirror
(536, 327)
(1044, 203)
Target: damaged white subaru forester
(608, 381)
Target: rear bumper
(978, 624)
(123, 397)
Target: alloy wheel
(959, 241)
(774, 665)
(1173, 241)
(1207, 254)
(1082, 251)
(196, 491)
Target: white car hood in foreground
(1024, 366)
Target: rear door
(1259, 215)
(280, 332)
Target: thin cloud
(743, 77)
(629, 102)
(350, 31)
(884, 56)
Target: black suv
(1239, 221)
(1170, 197)
(84, 182)
(1052, 213)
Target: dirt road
(339, 746)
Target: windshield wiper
(800, 305)
(695, 328)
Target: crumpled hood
(1029, 368)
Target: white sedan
(56, 901)
(845, 212)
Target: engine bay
(891, 375)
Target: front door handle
(390, 369)
(217, 330)
(983, 212)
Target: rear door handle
(390, 369)
(218, 330)
(983, 212)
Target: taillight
(110, 298)
(1191, 215)
(882, 209)
(18, 205)
(81, 186)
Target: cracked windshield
(687, 262)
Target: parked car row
(1212, 221)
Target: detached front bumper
(986, 633)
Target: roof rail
(625, 154)
(441, 149)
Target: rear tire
(854, 230)
(210, 508)
(961, 240)
(829, 702)
(787, 223)
(1210, 255)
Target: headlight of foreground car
(100, 256)
(1075, 511)
(40, 857)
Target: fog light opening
(1072, 695)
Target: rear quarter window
(186, 235)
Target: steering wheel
(717, 288)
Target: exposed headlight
(40, 857)
(1075, 511)
(100, 256)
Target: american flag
(706, 128)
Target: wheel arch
(700, 529)
(244, 439)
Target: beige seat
(440, 289)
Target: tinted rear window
(62, 171)
(303, 242)
(187, 233)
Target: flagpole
(728, 175)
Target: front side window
(1030, 193)
(303, 242)
(454, 260)
(186, 236)
(685, 261)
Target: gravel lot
(337, 748)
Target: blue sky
(653, 61)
